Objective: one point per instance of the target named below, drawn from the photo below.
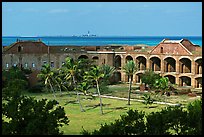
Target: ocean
(101, 41)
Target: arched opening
(19, 48)
(184, 81)
(138, 78)
(155, 64)
(117, 63)
(185, 65)
(83, 57)
(95, 60)
(117, 76)
(141, 61)
(170, 64)
(198, 82)
(161, 51)
(198, 66)
(128, 58)
(172, 79)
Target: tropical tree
(162, 84)
(108, 73)
(130, 69)
(149, 77)
(47, 75)
(96, 74)
(71, 70)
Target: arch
(184, 81)
(185, 57)
(83, 57)
(155, 64)
(19, 48)
(117, 76)
(138, 78)
(185, 65)
(169, 64)
(141, 55)
(198, 82)
(172, 78)
(195, 59)
(141, 61)
(117, 62)
(128, 58)
(152, 56)
(161, 51)
(198, 66)
(95, 58)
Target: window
(33, 65)
(52, 64)
(26, 65)
(19, 49)
(161, 49)
(14, 64)
(7, 65)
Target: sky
(102, 18)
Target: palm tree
(130, 69)
(46, 75)
(96, 74)
(71, 69)
(107, 71)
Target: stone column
(148, 64)
(177, 80)
(193, 67)
(193, 84)
(177, 66)
(162, 65)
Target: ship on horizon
(85, 35)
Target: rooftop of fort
(140, 48)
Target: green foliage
(130, 69)
(149, 77)
(195, 117)
(27, 116)
(147, 99)
(169, 121)
(12, 74)
(162, 84)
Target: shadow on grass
(71, 102)
(95, 106)
(151, 106)
(115, 108)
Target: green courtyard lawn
(92, 119)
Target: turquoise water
(99, 41)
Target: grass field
(92, 119)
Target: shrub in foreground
(168, 121)
(22, 115)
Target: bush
(27, 116)
(169, 121)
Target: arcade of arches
(183, 71)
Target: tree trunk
(59, 89)
(52, 89)
(99, 96)
(78, 98)
(130, 87)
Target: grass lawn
(92, 119)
